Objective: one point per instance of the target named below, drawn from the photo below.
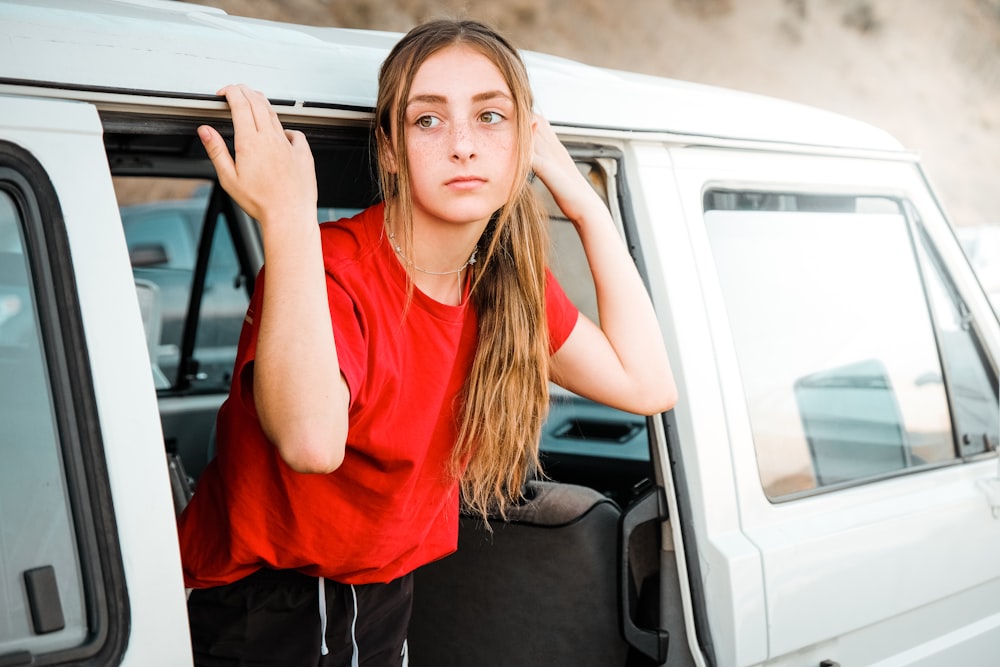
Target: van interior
(572, 577)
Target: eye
(490, 117)
(428, 122)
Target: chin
(459, 214)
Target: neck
(440, 254)
(436, 247)
(413, 265)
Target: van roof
(175, 49)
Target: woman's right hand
(273, 174)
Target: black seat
(542, 589)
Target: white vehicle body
(898, 567)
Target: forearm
(625, 312)
(300, 396)
(623, 363)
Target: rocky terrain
(927, 71)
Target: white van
(825, 492)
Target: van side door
(855, 362)
(89, 565)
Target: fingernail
(203, 133)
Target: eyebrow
(478, 97)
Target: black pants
(273, 618)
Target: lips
(465, 182)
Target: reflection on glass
(852, 422)
(163, 236)
(835, 342)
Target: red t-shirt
(392, 505)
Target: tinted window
(42, 600)
(855, 358)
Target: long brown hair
(506, 397)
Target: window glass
(982, 246)
(42, 604)
(223, 306)
(584, 442)
(971, 378)
(163, 221)
(567, 260)
(837, 348)
(326, 213)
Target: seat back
(542, 588)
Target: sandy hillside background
(928, 71)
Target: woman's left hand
(554, 165)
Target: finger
(264, 116)
(218, 153)
(297, 139)
(300, 148)
(237, 95)
(250, 108)
(273, 115)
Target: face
(461, 138)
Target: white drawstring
(354, 622)
(322, 617)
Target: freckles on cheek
(498, 148)
(422, 145)
(501, 141)
(419, 152)
(506, 147)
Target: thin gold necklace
(399, 251)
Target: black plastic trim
(172, 95)
(653, 643)
(703, 631)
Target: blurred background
(927, 71)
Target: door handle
(651, 642)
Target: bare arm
(300, 396)
(623, 362)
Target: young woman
(396, 364)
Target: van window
(568, 261)
(42, 593)
(968, 372)
(857, 358)
(194, 287)
(585, 442)
(163, 221)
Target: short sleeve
(247, 350)
(562, 314)
(348, 335)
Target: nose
(463, 145)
